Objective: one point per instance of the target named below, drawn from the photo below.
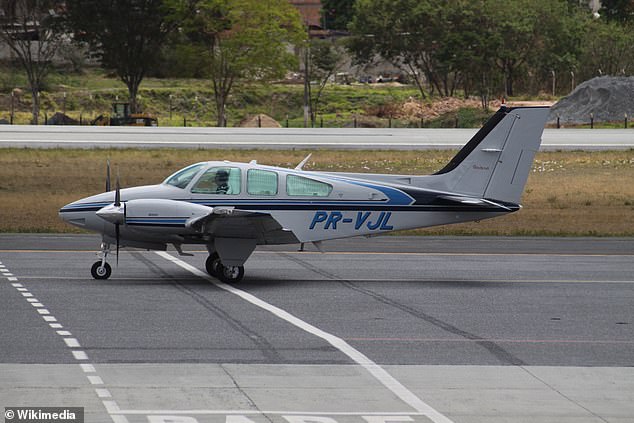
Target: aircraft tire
(100, 272)
(231, 274)
(212, 264)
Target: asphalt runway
(289, 138)
(387, 329)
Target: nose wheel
(227, 274)
(100, 269)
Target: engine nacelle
(159, 213)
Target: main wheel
(100, 272)
(213, 264)
(230, 274)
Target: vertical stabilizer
(495, 163)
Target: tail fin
(495, 163)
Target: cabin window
(261, 182)
(183, 177)
(219, 180)
(298, 185)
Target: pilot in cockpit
(222, 179)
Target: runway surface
(391, 329)
(290, 138)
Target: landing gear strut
(100, 269)
(227, 274)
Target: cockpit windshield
(183, 177)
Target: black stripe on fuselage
(440, 206)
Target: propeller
(114, 213)
(117, 203)
(108, 176)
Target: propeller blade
(108, 176)
(116, 232)
(117, 194)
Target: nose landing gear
(100, 269)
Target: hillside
(190, 101)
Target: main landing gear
(227, 274)
(100, 269)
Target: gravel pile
(607, 97)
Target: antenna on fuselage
(301, 164)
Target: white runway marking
(88, 368)
(72, 343)
(103, 393)
(374, 369)
(95, 380)
(80, 355)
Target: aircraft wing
(230, 222)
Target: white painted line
(79, 355)
(43, 311)
(33, 300)
(22, 289)
(95, 380)
(16, 285)
(49, 318)
(88, 368)
(8, 274)
(64, 333)
(277, 413)
(27, 294)
(55, 325)
(37, 304)
(111, 407)
(374, 369)
(72, 342)
(103, 393)
(115, 412)
(13, 278)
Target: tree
(608, 49)
(469, 44)
(621, 11)
(336, 14)
(30, 28)
(244, 40)
(321, 63)
(126, 35)
(424, 38)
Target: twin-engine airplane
(233, 207)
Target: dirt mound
(61, 119)
(261, 120)
(608, 98)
